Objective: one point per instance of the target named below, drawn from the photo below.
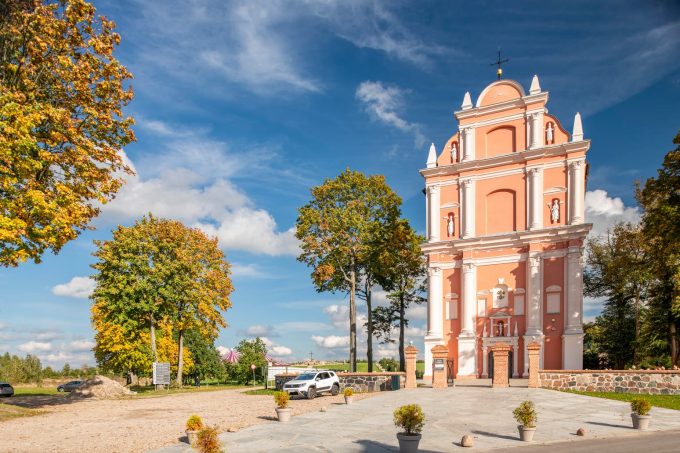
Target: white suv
(313, 383)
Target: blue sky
(241, 107)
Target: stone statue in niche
(450, 226)
(454, 152)
(549, 134)
(500, 329)
(554, 211)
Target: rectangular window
(553, 303)
(519, 305)
(481, 308)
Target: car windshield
(4, 385)
(305, 377)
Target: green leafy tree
(660, 199)
(337, 230)
(159, 271)
(251, 352)
(61, 123)
(618, 270)
(402, 273)
(207, 361)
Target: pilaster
(433, 209)
(468, 202)
(576, 192)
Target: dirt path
(140, 424)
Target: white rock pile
(100, 387)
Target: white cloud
(331, 341)
(258, 330)
(32, 347)
(276, 350)
(383, 103)
(604, 211)
(414, 312)
(246, 270)
(81, 345)
(47, 335)
(78, 287)
(192, 185)
(223, 350)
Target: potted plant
(283, 412)
(411, 419)
(194, 425)
(640, 408)
(349, 395)
(208, 441)
(525, 414)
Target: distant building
(505, 234)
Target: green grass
(260, 392)
(362, 367)
(8, 411)
(665, 401)
(39, 391)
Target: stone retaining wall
(360, 382)
(663, 382)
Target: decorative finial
(535, 86)
(432, 157)
(577, 134)
(467, 102)
(499, 62)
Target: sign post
(161, 374)
(252, 367)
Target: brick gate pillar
(534, 352)
(501, 353)
(439, 356)
(410, 352)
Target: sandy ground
(137, 424)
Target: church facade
(505, 234)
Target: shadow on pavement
(610, 425)
(371, 446)
(39, 401)
(500, 436)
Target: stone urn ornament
(640, 413)
(525, 415)
(349, 395)
(193, 426)
(283, 412)
(411, 419)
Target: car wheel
(335, 389)
(311, 393)
(60, 390)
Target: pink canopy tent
(230, 357)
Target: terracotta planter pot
(526, 434)
(284, 414)
(349, 399)
(192, 436)
(640, 421)
(408, 443)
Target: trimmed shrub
(640, 406)
(410, 418)
(525, 414)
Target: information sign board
(161, 373)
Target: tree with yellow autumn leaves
(156, 281)
(62, 126)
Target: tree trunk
(637, 325)
(152, 323)
(674, 343)
(352, 323)
(369, 327)
(180, 358)
(402, 321)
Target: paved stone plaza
(366, 426)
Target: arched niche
(500, 91)
(501, 211)
(501, 140)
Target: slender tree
(660, 199)
(61, 97)
(402, 273)
(337, 229)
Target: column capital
(534, 261)
(468, 267)
(534, 171)
(467, 182)
(433, 189)
(434, 271)
(576, 164)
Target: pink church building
(505, 234)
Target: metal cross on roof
(499, 62)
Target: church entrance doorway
(510, 364)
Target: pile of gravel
(100, 387)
